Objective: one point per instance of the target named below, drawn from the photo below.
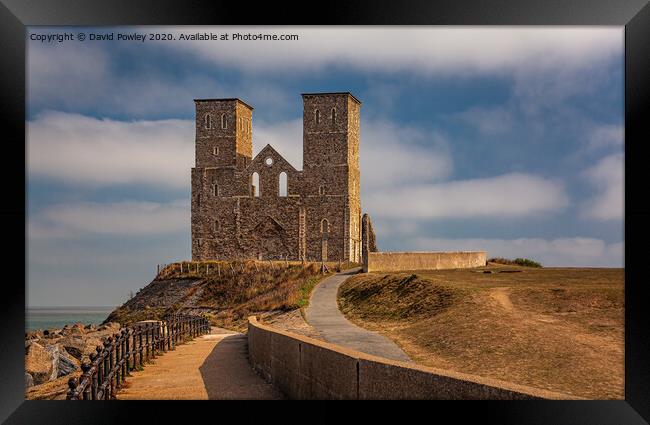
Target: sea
(57, 317)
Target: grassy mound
(553, 328)
(394, 297)
(226, 291)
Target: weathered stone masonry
(238, 210)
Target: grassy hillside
(228, 292)
(555, 328)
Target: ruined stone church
(262, 207)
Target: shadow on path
(227, 374)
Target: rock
(78, 328)
(51, 333)
(63, 362)
(110, 326)
(90, 327)
(53, 390)
(80, 347)
(37, 334)
(39, 364)
(29, 381)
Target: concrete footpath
(323, 314)
(211, 367)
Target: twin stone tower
(262, 207)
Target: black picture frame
(15, 15)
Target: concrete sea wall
(305, 368)
(400, 261)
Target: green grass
(306, 288)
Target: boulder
(51, 333)
(76, 329)
(39, 364)
(36, 334)
(80, 347)
(110, 326)
(90, 327)
(64, 363)
(29, 381)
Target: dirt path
(502, 297)
(324, 315)
(211, 367)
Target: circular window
(268, 161)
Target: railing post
(93, 383)
(165, 334)
(107, 370)
(100, 366)
(130, 344)
(125, 354)
(85, 367)
(140, 348)
(156, 338)
(146, 337)
(72, 385)
(118, 368)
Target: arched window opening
(208, 121)
(317, 116)
(333, 115)
(255, 184)
(217, 225)
(282, 184)
(215, 189)
(321, 189)
(215, 150)
(325, 227)
(224, 124)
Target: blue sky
(507, 139)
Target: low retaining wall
(400, 261)
(305, 368)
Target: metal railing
(129, 349)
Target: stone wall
(400, 261)
(305, 368)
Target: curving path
(211, 367)
(323, 314)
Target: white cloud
(128, 218)
(567, 252)
(423, 50)
(545, 62)
(606, 136)
(391, 155)
(505, 196)
(87, 151)
(608, 178)
(77, 76)
(284, 136)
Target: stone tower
(331, 172)
(262, 207)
